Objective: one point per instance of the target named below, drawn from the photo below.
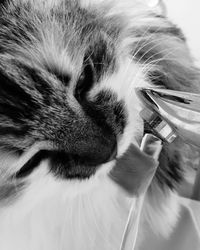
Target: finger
(151, 145)
(136, 168)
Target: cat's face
(68, 73)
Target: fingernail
(151, 145)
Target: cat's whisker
(156, 41)
(148, 40)
(152, 64)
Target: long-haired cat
(68, 109)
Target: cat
(68, 110)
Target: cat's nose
(97, 151)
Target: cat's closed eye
(86, 80)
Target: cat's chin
(71, 214)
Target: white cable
(132, 225)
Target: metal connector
(170, 113)
(159, 126)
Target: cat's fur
(68, 71)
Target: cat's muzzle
(80, 163)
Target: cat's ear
(164, 53)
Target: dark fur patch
(9, 191)
(102, 55)
(115, 113)
(32, 164)
(169, 172)
(170, 31)
(16, 106)
(65, 165)
(72, 166)
(86, 81)
(3, 3)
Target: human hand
(134, 171)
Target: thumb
(136, 168)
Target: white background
(186, 13)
